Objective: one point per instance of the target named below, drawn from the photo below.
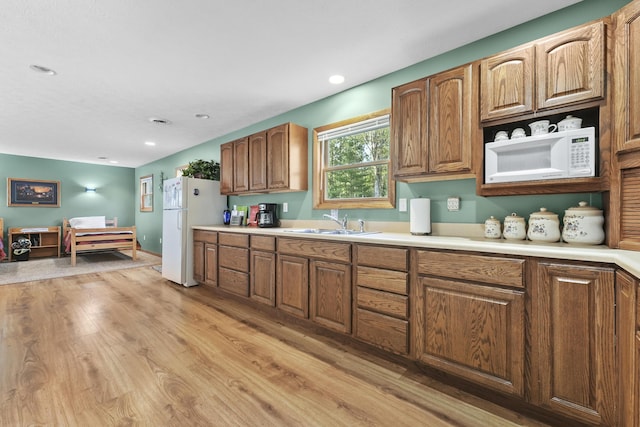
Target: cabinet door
(240, 165)
(198, 261)
(507, 83)
(258, 161)
(409, 129)
(226, 168)
(570, 66)
(472, 331)
(263, 277)
(211, 264)
(626, 77)
(278, 157)
(573, 346)
(626, 300)
(330, 299)
(450, 120)
(292, 285)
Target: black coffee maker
(267, 215)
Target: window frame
(319, 200)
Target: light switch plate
(402, 205)
(453, 204)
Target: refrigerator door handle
(179, 218)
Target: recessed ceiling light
(159, 121)
(150, 143)
(336, 79)
(43, 70)
(202, 116)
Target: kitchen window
(352, 164)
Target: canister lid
(513, 217)
(544, 213)
(492, 219)
(583, 208)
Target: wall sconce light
(90, 189)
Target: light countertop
(628, 260)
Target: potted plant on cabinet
(204, 169)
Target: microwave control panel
(581, 160)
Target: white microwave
(556, 155)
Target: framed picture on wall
(33, 193)
(146, 193)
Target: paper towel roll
(420, 216)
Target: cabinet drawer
(263, 243)
(233, 281)
(205, 236)
(376, 256)
(383, 302)
(494, 270)
(233, 258)
(384, 280)
(234, 239)
(312, 248)
(383, 331)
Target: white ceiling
(121, 62)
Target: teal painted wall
(114, 196)
(376, 95)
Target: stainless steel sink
(334, 232)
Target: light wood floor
(129, 348)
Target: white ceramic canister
(492, 228)
(544, 226)
(583, 224)
(569, 123)
(514, 227)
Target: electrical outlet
(453, 204)
(334, 213)
(402, 205)
(285, 207)
(144, 237)
(161, 240)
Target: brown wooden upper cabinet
(234, 166)
(562, 69)
(268, 161)
(431, 126)
(626, 77)
(258, 164)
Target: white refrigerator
(186, 202)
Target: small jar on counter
(514, 227)
(492, 228)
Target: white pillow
(88, 222)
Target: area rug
(48, 268)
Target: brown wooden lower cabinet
(198, 261)
(626, 323)
(205, 257)
(330, 297)
(292, 285)
(263, 269)
(233, 263)
(573, 341)
(263, 277)
(381, 306)
(473, 331)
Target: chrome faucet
(342, 223)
